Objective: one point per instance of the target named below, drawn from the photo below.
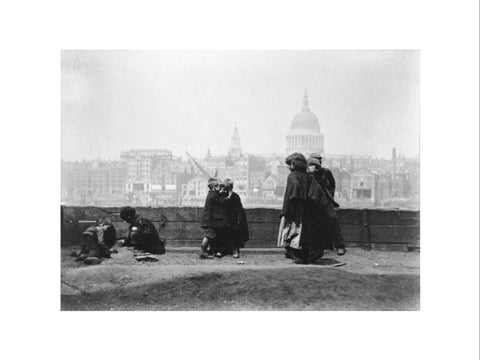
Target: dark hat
(127, 213)
(316, 156)
(314, 161)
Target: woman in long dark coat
(295, 226)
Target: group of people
(223, 221)
(308, 226)
(98, 240)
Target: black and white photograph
(243, 180)
(240, 180)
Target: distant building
(238, 172)
(154, 177)
(305, 135)
(412, 167)
(194, 192)
(140, 165)
(269, 188)
(234, 166)
(342, 184)
(67, 181)
(280, 169)
(255, 185)
(93, 183)
(362, 187)
(382, 191)
(107, 181)
(81, 183)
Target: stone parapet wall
(367, 228)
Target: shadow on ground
(242, 288)
(370, 280)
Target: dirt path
(120, 279)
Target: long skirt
(289, 234)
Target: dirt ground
(259, 280)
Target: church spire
(235, 133)
(235, 138)
(305, 106)
(235, 148)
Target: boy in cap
(142, 234)
(325, 179)
(214, 221)
(238, 233)
(325, 176)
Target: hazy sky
(366, 101)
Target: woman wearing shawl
(295, 225)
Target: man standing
(142, 233)
(317, 200)
(237, 219)
(325, 179)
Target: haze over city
(366, 101)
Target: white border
(446, 32)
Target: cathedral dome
(305, 122)
(305, 135)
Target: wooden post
(62, 228)
(366, 239)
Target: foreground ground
(261, 280)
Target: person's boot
(315, 257)
(236, 253)
(289, 253)
(341, 251)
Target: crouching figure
(97, 241)
(142, 234)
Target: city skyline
(366, 101)
(185, 157)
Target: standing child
(238, 233)
(214, 221)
